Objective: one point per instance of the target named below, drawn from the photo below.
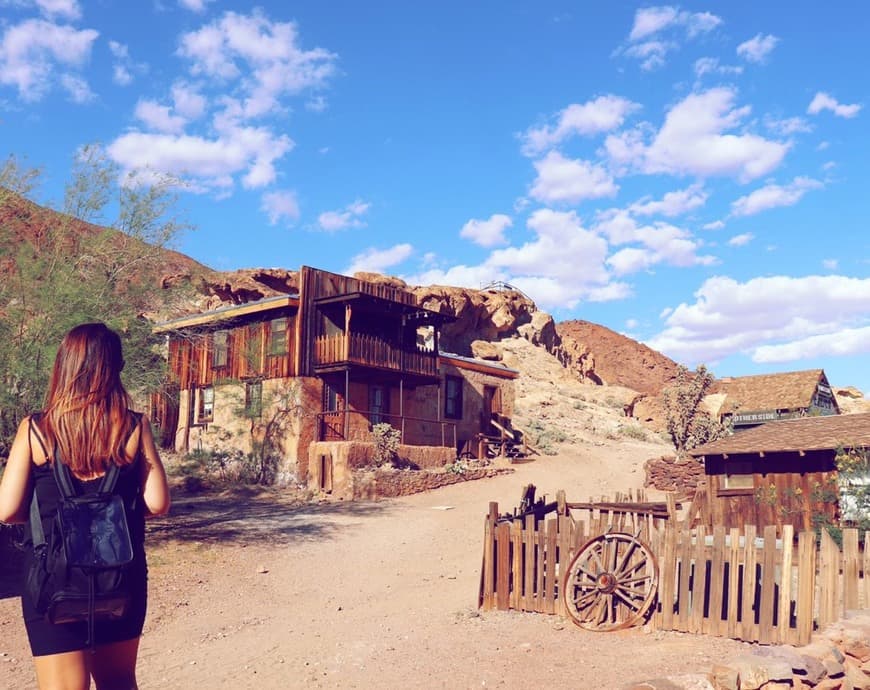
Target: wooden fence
(761, 585)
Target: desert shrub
(638, 433)
(853, 470)
(690, 426)
(387, 441)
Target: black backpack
(80, 569)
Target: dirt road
(252, 592)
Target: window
(254, 398)
(206, 404)
(220, 341)
(379, 404)
(278, 337)
(330, 398)
(737, 477)
(453, 397)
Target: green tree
(60, 268)
(688, 424)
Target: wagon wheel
(610, 583)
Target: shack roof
(787, 391)
(482, 365)
(228, 313)
(794, 436)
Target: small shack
(753, 400)
(781, 472)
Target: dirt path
(250, 592)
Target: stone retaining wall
(837, 658)
(389, 483)
(669, 474)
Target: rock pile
(836, 659)
(669, 474)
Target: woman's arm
(155, 487)
(13, 487)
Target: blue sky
(693, 176)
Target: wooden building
(753, 400)
(325, 365)
(781, 472)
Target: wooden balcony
(339, 351)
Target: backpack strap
(36, 531)
(62, 476)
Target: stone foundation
(836, 658)
(389, 483)
(669, 474)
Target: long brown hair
(86, 406)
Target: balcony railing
(356, 425)
(372, 351)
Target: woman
(88, 420)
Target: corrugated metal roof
(794, 435)
(786, 391)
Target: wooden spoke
(610, 583)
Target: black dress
(52, 638)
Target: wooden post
(749, 628)
(503, 566)
(733, 582)
(717, 582)
(850, 569)
(806, 586)
(784, 607)
(767, 602)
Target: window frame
(254, 398)
(279, 345)
(378, 413)
(205, 405)
(220, 351)
(453, 403)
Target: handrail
(370, 350)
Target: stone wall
(669, 474)
(836, 658)
(389, 483)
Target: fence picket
(784, 606)
(850, 569)
(503, 582)
(717, 582)
(768, 584)
(749, 630)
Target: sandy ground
(251, 591)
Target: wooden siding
(191, 356)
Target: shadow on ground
(251, 519)
(239, 517)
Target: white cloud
(785, 127)
(157, 117)
(830, 264)
(348, 217)
(36, 54)
(562, 179)
(673, 203)
(715, 225)
(693, 140)
(843, 342)
(602, 114)
(264, 57)
(757, 48)
(77, 88)
(659, 243)
(650, 23)
(773, 196)
(650, 53)
(651, 20)
(379, 260)
(823, 101)
(280, 205)
(778, 313)
(68, 9)
(741, 240)
(207, 163)
(188, 101)
(197, 6)
(711, 65)
(487, 233)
